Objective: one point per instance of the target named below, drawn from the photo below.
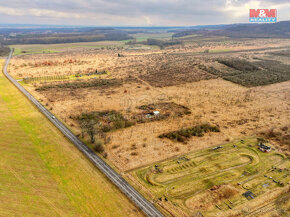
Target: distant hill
(280, 29)
(266, 30)
(60, 35)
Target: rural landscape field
(133, 108)
(154, 114)
(51, 178)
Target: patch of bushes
(166, 109)
(251, 74)
(210, 70)
(156, 42)
(98, 83)
(71, 36)
(280, 135)
(106, 121)
(239, 64)
(4, 51)
(162, 43)
(99, 147)
(169, 106)
(184, 134)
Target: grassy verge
(42, 174)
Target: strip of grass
(19, 51)
(42, 174)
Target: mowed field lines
(42, 174)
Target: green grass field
(236, 167)
(25, 49)
(43, 174)
(34, 80)
(144, 36)
(55, 48)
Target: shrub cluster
(4, 51)
(99, 147)
(250, 74)
(46, 78)
(166, 109)
(184, 134)
(239, 64)
(156, 42)
(98, 83)
(106, 121)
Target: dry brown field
(241, 105)
(160, 76)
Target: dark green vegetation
(98, 83)
(214, 180)
(98, 123)
(56, 36)
(184, 134)
(4, 51)
(250, 74)
(239, 64)
(156, 42)
(106, 120)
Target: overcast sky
(135, 12)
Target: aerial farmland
(145, 108)
(181, 123)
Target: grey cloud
(133, 12)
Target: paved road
(147, 207)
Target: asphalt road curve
(147, 207)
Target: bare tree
(83, 126)
(91, 130)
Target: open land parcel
(42, 174)
(132, 96)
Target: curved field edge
(43, 174)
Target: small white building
(156, 113)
